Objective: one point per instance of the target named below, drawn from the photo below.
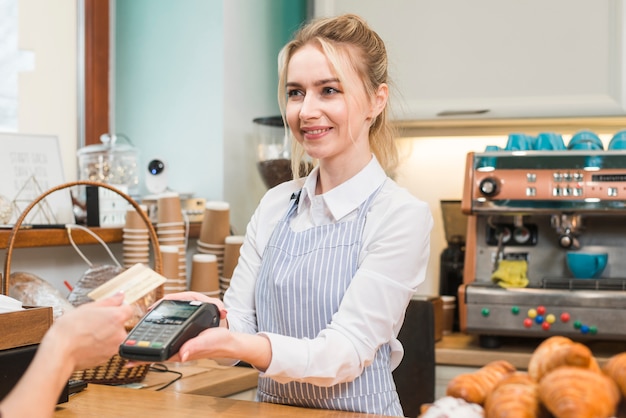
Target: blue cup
(488, 163)
(586, 265)
(549, 141)
(618, 142)
(585, 141)
(520, 142)
(594, 162)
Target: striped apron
(302, 280)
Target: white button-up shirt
(392, 263)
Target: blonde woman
(330, 261)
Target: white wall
(47, 104)
(48, 95)
(432, 169)
(250, 64)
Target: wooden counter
(114, 402)
(203, 377)
(464, 350)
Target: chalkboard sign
(29, 166)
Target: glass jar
(273, 150)
(111, 163)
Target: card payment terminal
(160, 334)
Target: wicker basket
(113, 372)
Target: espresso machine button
(489, 187)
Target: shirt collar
(349, 195)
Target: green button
(577, 324)
(515, 310)
(485, 312)
(593, 329)
(157, 345)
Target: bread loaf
(474, 387)
(615, 368)
(575, 392)
(32, 290)
(559, 351)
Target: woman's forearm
(255, 350)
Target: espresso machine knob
(568, 240)
(489, 187)
(565, 241)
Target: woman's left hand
(210, 343)
(220, 343)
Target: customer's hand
(90, 334)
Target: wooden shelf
(31, 238)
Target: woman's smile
(314, 133)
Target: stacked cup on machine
(231, 257)
(214, 229)
(171, 233)
(135, 238)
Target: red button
(130, 342)
(565, 317)
(545, 326)
(541, 310)
(528, 322)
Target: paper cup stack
(204, 275)
(135, 238)
(214, 229)
(231, 257)
(171, 270)
(171, 233)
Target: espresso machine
(532, 208)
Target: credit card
(136, 282)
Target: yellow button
(143, 343)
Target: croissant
(574, 392)
(559, 351)
(515, 396)
(474, 387)
(615, 368)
